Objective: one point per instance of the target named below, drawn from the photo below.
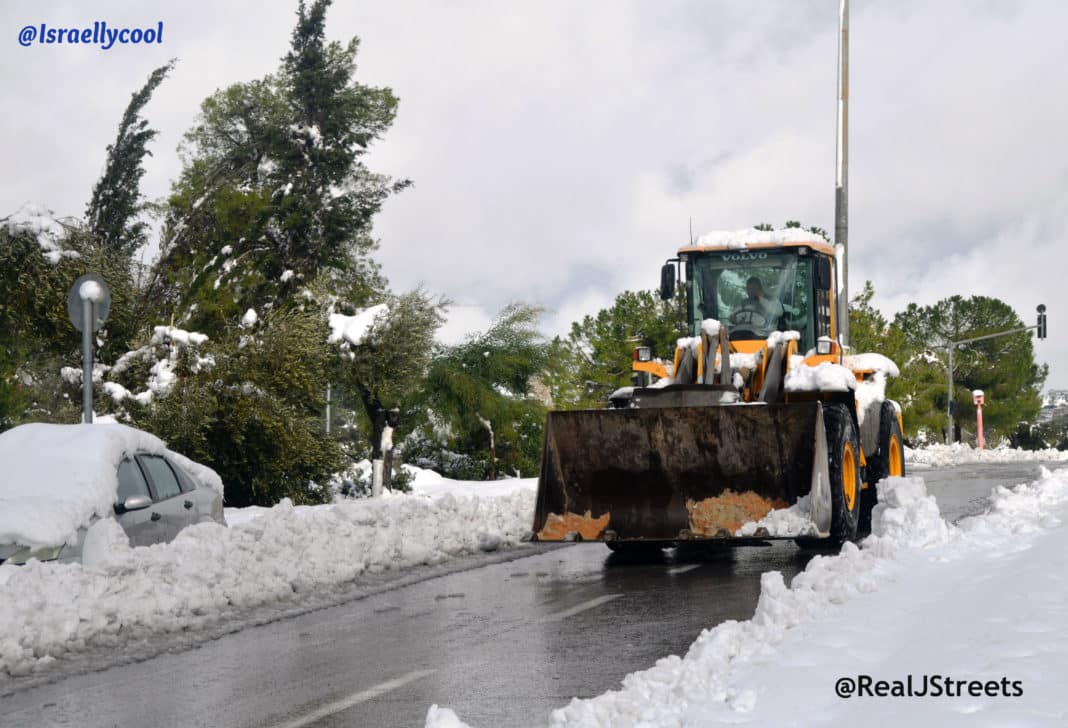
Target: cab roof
(821, 247)
(751, 238)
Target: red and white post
(979, 400)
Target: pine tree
(113, 212)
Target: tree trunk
(493, 447)
(383, 422)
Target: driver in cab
(757, 312)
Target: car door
(143, 527)
(176, 508)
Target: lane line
(361, 697)
(683, 569)
(581, 607)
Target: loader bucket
(679, 473)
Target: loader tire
(887, 461)
(843, 467)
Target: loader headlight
(643, 353)
(824, 345)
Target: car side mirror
(823, 273)
(133, 503)
(667, 282)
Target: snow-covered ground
(973, 614)
(961, 454)
(212, 573)
(978, 601)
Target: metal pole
(979, 425)
(949, 402)
(87, 361)
(841, 187)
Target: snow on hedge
(57, 478)
(919, 596)
(211, 573)
(39, 222)
(962, 454)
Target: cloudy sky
(559, 149)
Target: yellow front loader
(759, 425)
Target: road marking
(361, 697)
(683, 569)
(581, 607)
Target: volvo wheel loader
(761, 425)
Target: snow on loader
(761, 426)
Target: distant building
(1054, 406)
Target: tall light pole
(841, 182)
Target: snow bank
(752, 236)
(961, 454)
(211, 573)
(56, 478)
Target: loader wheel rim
(896, 468)
(849, 475)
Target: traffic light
(1041, 333)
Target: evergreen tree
(599, 349)
(480, 392)
(113, 212)
(1003, 367)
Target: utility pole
(841, 185)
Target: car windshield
(753, 292)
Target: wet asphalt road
(502, 642)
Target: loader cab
(761, 289)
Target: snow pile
(39, 222)
(873, 363)
(752, 236)
(869, 392)
(781, 337)
(352, 329)
(710, 328)
(824, 377)
(250, 318)
(211, 573)
(57, 478)
(962, 454)
(787, 522)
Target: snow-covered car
(57, 480)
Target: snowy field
(979, 604)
